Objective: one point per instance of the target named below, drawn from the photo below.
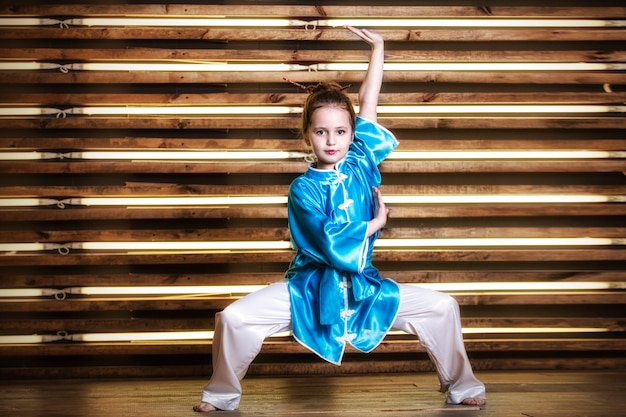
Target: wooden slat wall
(591, 320)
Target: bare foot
(204, 407)
(474, 401)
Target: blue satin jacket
(337, 296)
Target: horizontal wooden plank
(285, 256)
(399, 122)
(289, 167)
(280, 212)
(171, 303)
(312, 77)
(317, 35)
(393, 53)
(60, 280)
(272, 369)
(439, 132)
(155, 235)
(409, 140)
(298, 11)
(113, 305)
(86, 214)
(131, 323)
(282, 233)
(76, 325)
(138, 189)
(570, 344)
(296, 99)
(425, 232)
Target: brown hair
(322, 95)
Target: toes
(204, 408)
(474, 401)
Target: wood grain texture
(593, 318)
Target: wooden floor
(510, 394)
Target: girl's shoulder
(365, 126)
(372, 141)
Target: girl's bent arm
(371, 85)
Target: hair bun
(327, 86)
(321, 86)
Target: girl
(332, 295)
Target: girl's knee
(231, 316)
(447, 303)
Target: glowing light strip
(27, 202)
(183, 246)
(452, 286)
(475, 66)
(468, 23)
(209, 335)
(26, 292)
(27, 66)
(278, 22)
(227, 246)
(140, 336)
(502, 199)
(27, 156)
(28, 21)
(197, 67)
(389, 199)
(522, 286)
(176, 201)
(187, 110)
(284, 110)
(29, 339)
(28, 111)
(169, 290)
(28, 247)
(187, 22)
(131, 201)
(283, 155)
(380, 243)
(344, 66)
(526, 330)
(492, 154)
(497, 242)
(184, 155)
(502, 108)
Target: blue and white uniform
(337, 296)
(332, 295)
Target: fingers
(365, 34)
(379, 200)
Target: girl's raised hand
(372, 38)
(371, 85)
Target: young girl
(332, 295)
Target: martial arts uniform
(332, 295)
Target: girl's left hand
(381, 212)
(372, 38)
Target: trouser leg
(239, 333)
(435, 318)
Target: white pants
(243, 326)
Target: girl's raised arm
(370, 88)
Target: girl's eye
(341, 132)
(319, 132)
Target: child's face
(330, 135)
